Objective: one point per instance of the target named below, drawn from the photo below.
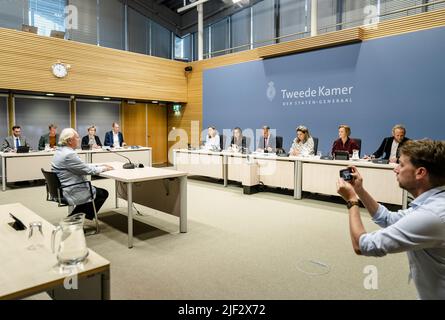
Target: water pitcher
(72, 248)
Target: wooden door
(157, 132)
(134, 124)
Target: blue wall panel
(399, 79)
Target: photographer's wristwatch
(350, 204)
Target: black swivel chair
(222, 142)
(359, 143)
(279, 145)
(315, 145)
(54, 193)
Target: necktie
(17, 143)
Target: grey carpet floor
(237, 247)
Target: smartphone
(346, 174)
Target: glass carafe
(72, 248)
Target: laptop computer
(86, 147)
(23, 149)
(341, 155)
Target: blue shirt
(420, 231)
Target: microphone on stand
(128, 165)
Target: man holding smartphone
(418, 230)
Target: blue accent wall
(373, 85)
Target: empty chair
(279, 145)
(222, 142)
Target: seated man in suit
(70, 169)
(268, 142)
(114, 138)
(91, 140)
(389, 149)
(238, 141)
(51, 139)
(11, 143)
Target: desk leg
(298, 185)
(225, 171)
(3, 173)
(130, 214)
(106, 292)
(116, 186)
(183, 204)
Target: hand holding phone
(346, 174)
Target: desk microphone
(128, 165)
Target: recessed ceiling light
(50, 94)
(154, 102)
(107, 98)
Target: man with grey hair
(390, 147)
(71, 170)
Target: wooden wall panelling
(26, 60)
(134, 124)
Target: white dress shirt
(420, 231)
(212, 142)
(394, 147)
(116, 142)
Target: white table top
(114, 150)
(33, 154)
(51, 153)
(24, 272)
(262, 156)
(139, 174)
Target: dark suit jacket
(109, 139)
(243, 142)
(271, 143)
(385, 148)
(86, 140)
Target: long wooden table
(26, 166)
(24, 272)
(300, 174)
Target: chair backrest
(279, 142)
(52, 185)
(359, 143)
(315, 145)
(222, 141)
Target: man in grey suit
(70, 169)
(16, 140)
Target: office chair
(222, 142)
(315, 144)
(359, 143)
(279, 145)
(54, 193)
